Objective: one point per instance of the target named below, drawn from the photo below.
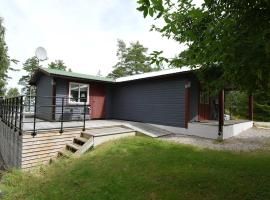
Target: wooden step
(81, 140)
(72, 147)
(106, 131)
(85, 135)
(65, 153)
(88, 145)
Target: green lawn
(145, 168)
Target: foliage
(13, 92)
(228, 40)
(30, 65)
(236, 103)
(146, 168)
(131, 60)
(58, 64)
(4, 59)
(262, 106)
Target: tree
(262, 106)
(58, 64)
(131, 60)
(4, 59)
(229, 41)
(30, 65)
(236, 103)
(13, 92)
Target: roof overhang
(83, 77)
(66, 75)
(36, 74)
(162, 73)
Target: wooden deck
(144, 128)
(47, 144)
(44, 146)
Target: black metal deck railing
(27, 113)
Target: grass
(145, 168)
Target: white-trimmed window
(78, 93)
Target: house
(54, 86)
(171, 99)
(68, 108)
(156, 97)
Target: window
(204, 97)
(78, 93)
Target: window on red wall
(78, 93)
(204, 97)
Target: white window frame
(69, 93)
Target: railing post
(9, 112)
(35, 116)
(4, 111)
(21, 115)
(84, 113)
(6, 118)
(29, 101)
(16, 113)
(221, 113)
(12, 112)
(62, 115)
(1, 106)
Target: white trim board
(153, 74)
(69, 93)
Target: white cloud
(83, 33)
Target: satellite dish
(41, 54)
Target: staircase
(93, 137)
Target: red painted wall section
(97, 100)
(204, 106)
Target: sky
(82, 33)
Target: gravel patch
(262, 124)
(250, 140)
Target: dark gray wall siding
(61, 92)
(156, 100)
(44, 91)
(108, 103)
(160, 101)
